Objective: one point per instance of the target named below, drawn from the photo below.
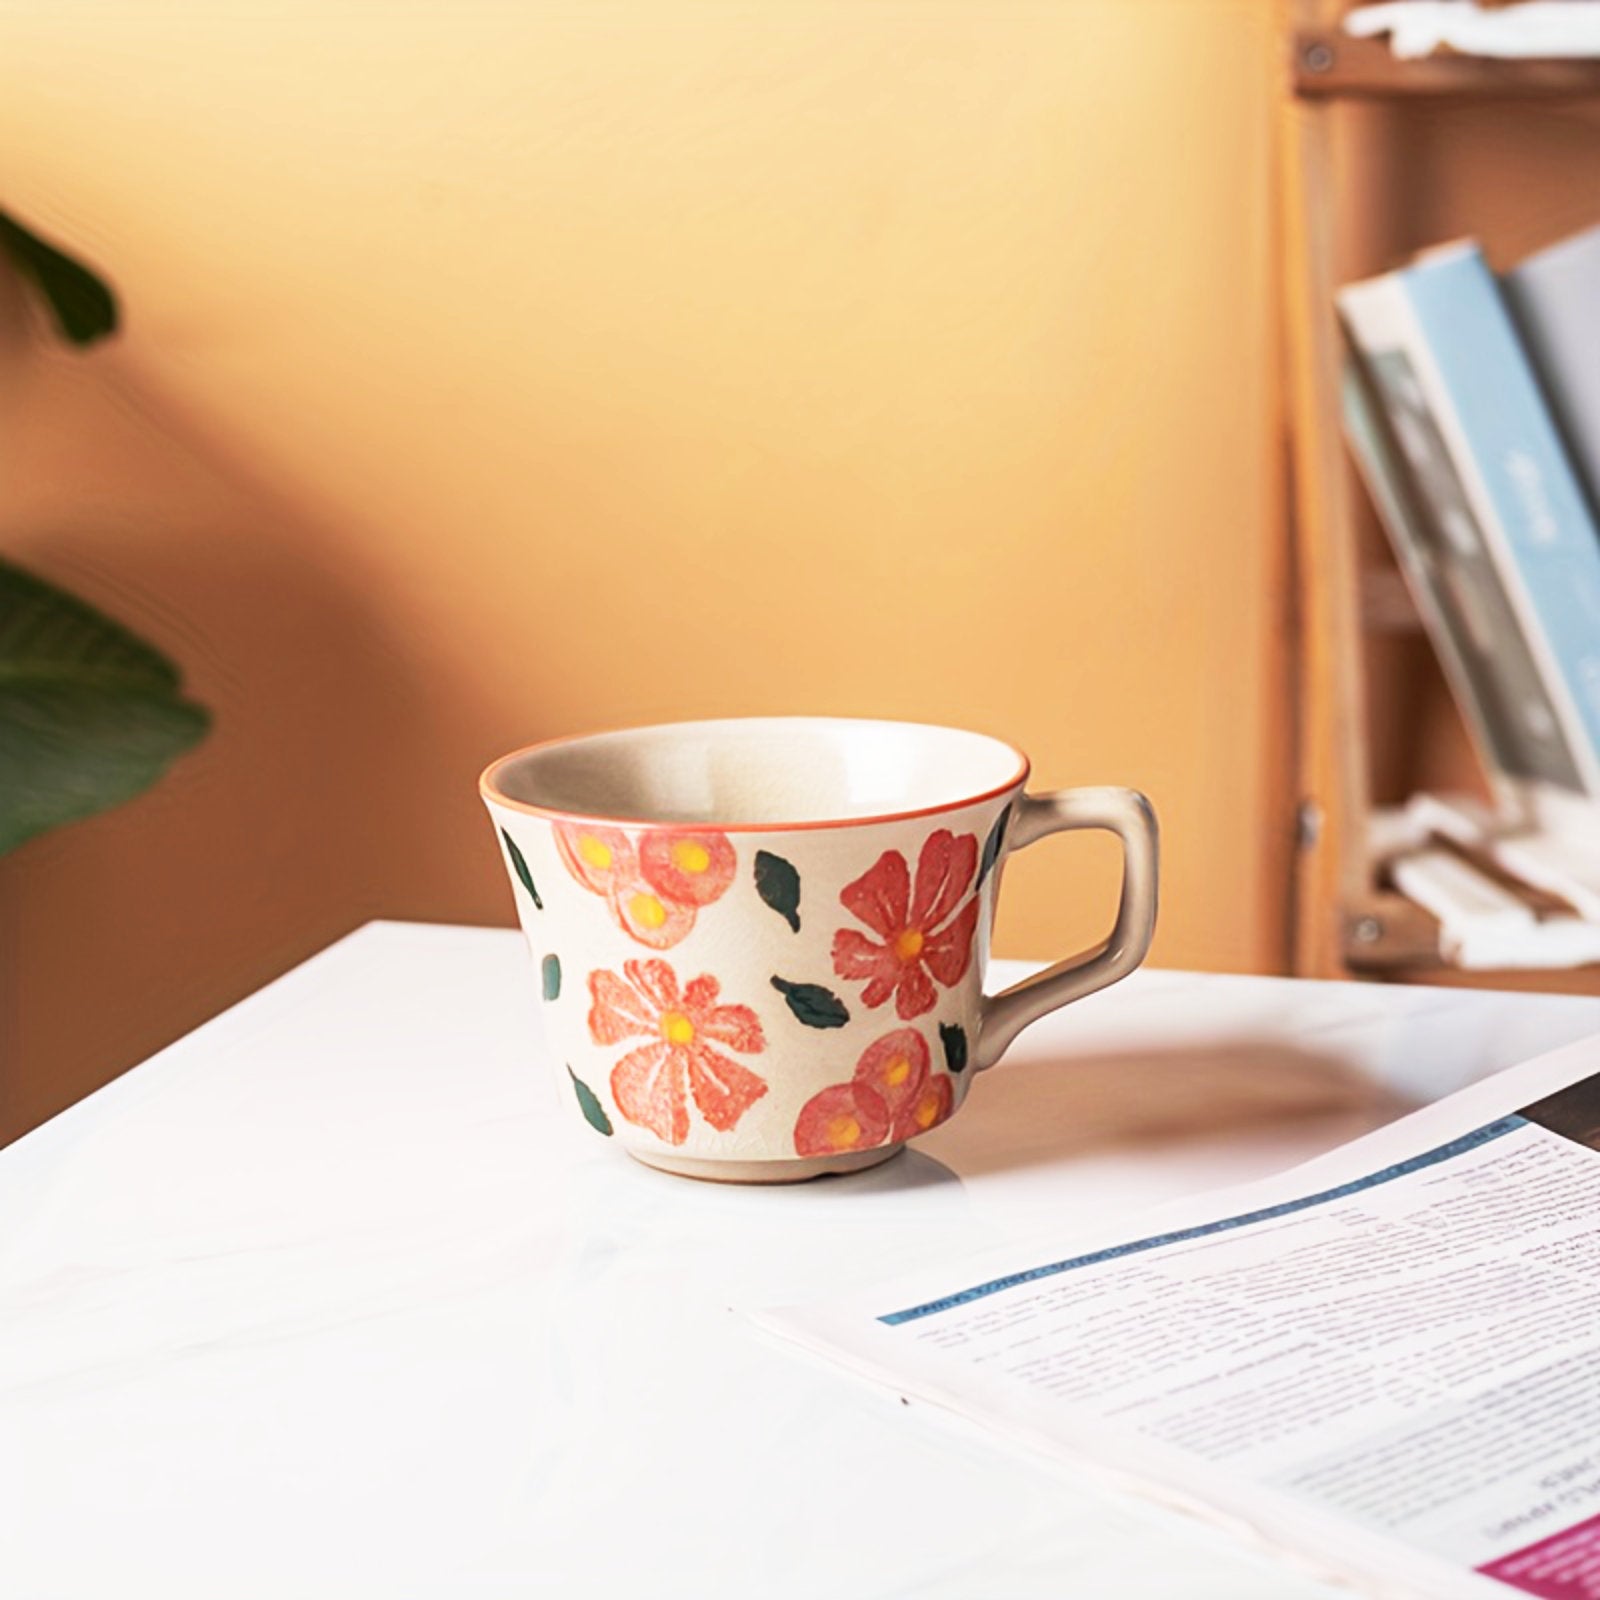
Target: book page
(1390, 1361)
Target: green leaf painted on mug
(588, 1102)
(550, 973)
(520, 867)
(991, 846)
(954, 1039)
(779, 885)
(813, 1005)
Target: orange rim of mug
(489, 785)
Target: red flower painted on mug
(896, 1070)
(921, 935)
(891, 1097)
(686, 867)
(648, 917)
(653, 889)
(653, 1084)
(842, 1118)
(598, 858)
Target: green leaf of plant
(520, 867)
(991, 846)
(779, 885)
(550, 972)
(85, 308)
(812, 1004)
(90, 715)
(954, 1039)
(589, 1104)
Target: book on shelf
(1442, 554)
(1554, 298)
(1492, 524)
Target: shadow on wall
(331, 749)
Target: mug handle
(1126, 813)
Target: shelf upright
(1343, 922)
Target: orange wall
(499, 370)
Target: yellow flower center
(909, 945)
(927, 1110)
(843, 1131)
(647, 911)
(676, 1028)
(687, 856)
(897, 1072)
(594, 852)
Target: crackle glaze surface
(804, 996)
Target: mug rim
(491, 792)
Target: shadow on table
(1032, 1112)
(909, 1171)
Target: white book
(1454, 585)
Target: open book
(1386, 1362)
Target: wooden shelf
(1346, 920)
(1325, 64)
(1384, 933)
(1388, 938)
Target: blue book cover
(1535, 503)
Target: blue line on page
(1429, 1158)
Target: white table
(334, 1298)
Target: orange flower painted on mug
(687, 868)
(653, 889)
(921, 935)
(686, 1032)
(892, 1097)
(842, 1118)
(599, 858)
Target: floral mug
(761, 942)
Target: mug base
(796, 1171)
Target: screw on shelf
(1307, 825)
(1317, 57)
(1367, 930)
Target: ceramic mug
(761, 943)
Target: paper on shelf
(1539, 29)
(1558, 866)
(1483, 926)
